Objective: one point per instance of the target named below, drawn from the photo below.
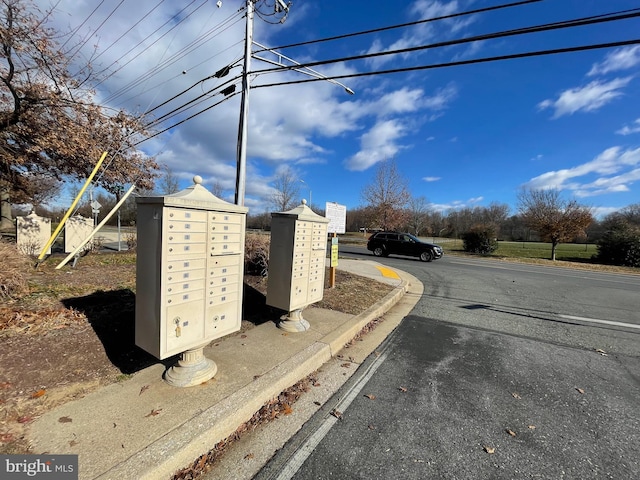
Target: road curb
(179, 447)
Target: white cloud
(620, 59)
(455, 205)
(628, 130)
(588, 98)
(422, 33)
(431, 179)
(614, 171)
(377, 145)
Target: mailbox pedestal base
(293, 322)
(192, 369)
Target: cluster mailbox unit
(296, 263)
(189, 284)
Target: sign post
(337, 215)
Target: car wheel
(426, 256)
(378, 251)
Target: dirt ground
(74, 332)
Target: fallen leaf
(600, 351)
(370, 397)
(377, 353)
(65, 420)
(317, 403)
(5, 385)
(6, 437)
(351, 359)
(372, 427)
(248, 456)
(532, 427)
(345, 365)
(255, 377)
(143, 389)
(73, 443)
(336, 414)
(402, 389)
(580, 390)
(243, 336)
(287, 410)
(154, 412)
(489, 450)
(24, 419)
(510, 432)
(516, 395)
(39, 393)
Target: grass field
(535, 252)
(569, 252)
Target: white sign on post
(337, 215)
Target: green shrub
(480, 239)
(620, 245)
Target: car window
(406, 238)
(392, 236)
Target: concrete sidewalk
(143, 428)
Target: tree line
(53, 132)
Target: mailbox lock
(178, 329)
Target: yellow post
(333, 261)
(73, 205)
(98, 227)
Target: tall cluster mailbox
(189, 284)
(296, 263)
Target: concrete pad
(144, 428)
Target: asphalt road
(502, 370)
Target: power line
(465, 62)
(130, 28)
(409, 24)
(188, 118)
(212, 33)
(609, 17)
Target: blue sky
(463, 136)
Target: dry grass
(13, 274)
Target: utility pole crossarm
(304, 70)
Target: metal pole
(241, 170)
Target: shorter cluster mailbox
(190, 270)
(296, 258)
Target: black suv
(385, 243)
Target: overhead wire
(152, 43)
(462, 62)
(408, 24)
(130, 28)
(188, 118)
(86, 40)
(210, 34)
(615, 16)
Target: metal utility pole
(243, 127)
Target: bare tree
(217, 189)
(388, 195)
(418, 215)
(556, 220)
(168, 182)
(286, 192)
(49, 124)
